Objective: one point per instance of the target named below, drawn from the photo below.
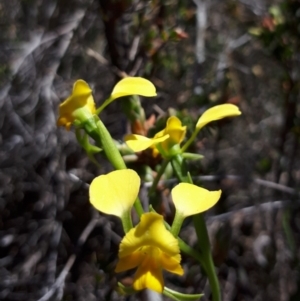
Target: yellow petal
(139, 143)
(171, 263)
(190, 199)
(176, 133)
(129, 262)
(152, 248)
(149, 275)
(133, 86)
(80, 99)
(216, 113)
(81, 88)
(115, 192)
(150, 231)
(65, 121)
(175, 129)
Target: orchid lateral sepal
(190, 199)
(216, 113)
(115, 193)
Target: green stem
(206, 255)
(158, 177)
(212, 278)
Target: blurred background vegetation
(199, 53)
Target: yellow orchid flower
(116, 192)
(172, 134)
(151, 248)
(217, 113)
(190, 199)
(176, 133)
(79, 105)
